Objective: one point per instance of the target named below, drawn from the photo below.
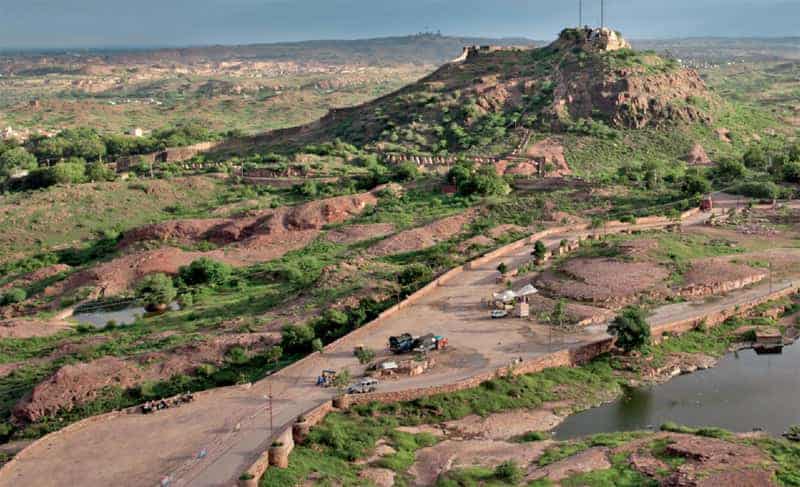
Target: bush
(508, 472)
(695, 184)
(729, 169)
(16, 159)
(539, 249)
(297, 338)
(156, 289)
(237, 355)
(71, 172)
(364, 355)
(631, 329)
(502, 268)
(791, 172)
(97, 171)
(13, 295)
(483, 181)
(406, 171)
(762, 190)
(205, 271)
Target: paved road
(212, 440)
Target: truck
(401, 344)
(405, 343)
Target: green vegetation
(631, 329)
(156, 289)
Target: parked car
(499, 313)
(363, 386)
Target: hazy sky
(98, 23)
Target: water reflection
(120, 317)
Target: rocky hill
(587, 80)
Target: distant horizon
(154, 47)
(47, 25)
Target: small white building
(136, 132)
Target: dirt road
(212, 440)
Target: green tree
(791, 172)
(205, 271)
(97, 171)
(317, 345)
(364, 355)
(342, 380)
(297, 338)
(274, 354)
(695, 184)
(756, 159)
(16, 159)
(72, 171)
(502, 268)
(13, 296)
(406, 171)
(539, 249)
(729, 169)
(156, 290)
(631, 329)
(509, 473)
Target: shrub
(205, 271)
(695, 184)
(502, 268)
(406, 171)
(13, 295)
(297, 338)
(97, 171)
(508, 472)
(16, 159)
(71, 172)
(761, 190)
(237, 355)
(156, 289)
(631, 329)
(317, 345)
(729, 169)
(539, 249)
(364, 355)
(483, 181)
(791, 172)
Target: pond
(122, 316)
(744, 392)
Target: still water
(743, 392)
(122, 316)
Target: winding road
(211, 441)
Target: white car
(363, 386)
(498, 313)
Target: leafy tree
(756, 158)
(631, 329)
(297, 338)
(156, 289)
(364, 355)
(274, 354)
(695, 184)
(406, 171)
(559, 315)
(342, 380)
(482, 181)
(539, 249)
(72, 171)
(729, 169)
(791, 172)
(97, 171)
(16, 159)
(316, 345)
(13, 296)
(205, 271)
(502, 268)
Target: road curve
(212, 440)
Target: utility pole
(269, 395)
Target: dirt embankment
(30, 328)
(36, 276)
(717, 276)
(423, 237)
(244, 241)
(80, 383)
(606, 282)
